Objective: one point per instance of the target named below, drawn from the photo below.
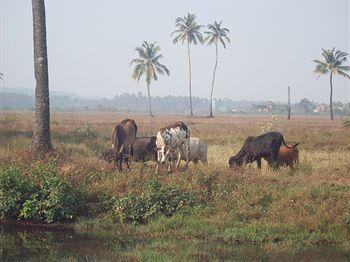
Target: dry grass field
(277, 211)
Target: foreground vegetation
(203, 212)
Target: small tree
(188, 31)
(148, 64)
(333, 64)
(216, 34)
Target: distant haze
(90, 45)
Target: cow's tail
(290, 147)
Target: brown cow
(143, 150)
(288, 156)
(122, 139)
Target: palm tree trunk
(212, 84)
(331, 97)
(149, 101)
(189, 69)
(41, 141)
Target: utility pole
(288, 103)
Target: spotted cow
(173, 138)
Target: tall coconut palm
(148, 64)
(333, 64)
(188, 31)
(41, 141)
(215, 35)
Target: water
(18, 243)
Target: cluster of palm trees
(189, 32)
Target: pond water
(18, 243)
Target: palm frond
(216, 33)
(333, 62)
(342, 73)
(187, 30)
(148, 62)
(136, 61)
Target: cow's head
(108, 155)
(235, 162)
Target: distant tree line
(171, 104)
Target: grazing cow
(175, 137)
(143, 149)
(122, 140)
(198, 152)
(288, 156)
(264, 146)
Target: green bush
(40, 196)
(15, 189)
(157, 200)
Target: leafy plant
(157, 200)
(15, 189)
(41, 195)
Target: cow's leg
(275, 162)
(115, 160)
(258, 160)
(178, 158)
(171, 162)
(187, 153)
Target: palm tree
(216, 34)
(41, 141)
(148, 64)
(188, 31)
(333, 64)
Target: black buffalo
(143, 149)
(254, 148)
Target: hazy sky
(90, 45)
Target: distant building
(267, 107)
(320, 108)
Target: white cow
(198, 151)
(173, 138)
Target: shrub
(41, 196)
(56, 201)
(15, 189)
(157, 200)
